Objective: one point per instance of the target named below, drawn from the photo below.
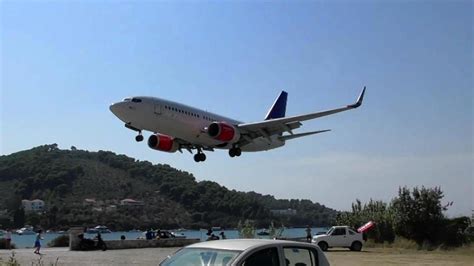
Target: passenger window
(339, 232)
(264, 257)
(351, 232)
(296, 256)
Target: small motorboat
(264, 232)
(99, 229)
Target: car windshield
(200, 257)
(330, 231)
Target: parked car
(340, 236)
(248, 252)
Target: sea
(27, 241)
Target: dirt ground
(394, 256)
(152, 256)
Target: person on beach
(212, 237)
(8, 239)
(223, 235)
(39, 237)
(309, 237)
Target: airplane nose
(113, 108)
(117, 109)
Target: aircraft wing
(271, 127)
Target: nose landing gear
(139, 137)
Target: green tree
(19, 217)
(418, 214)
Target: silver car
(248, 252)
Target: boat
(27, 230)
(264, 232)
(177, 235)
(98, 229)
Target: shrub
(3, 244)
(60, 241)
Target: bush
(60, 241)
(3, 244)
(398, 243)
(453, 233)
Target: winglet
(359, 100)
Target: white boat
(99, 229)
(28, 230)
(177, 235)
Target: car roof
(242, 244)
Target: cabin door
(158, 109)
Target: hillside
(170, 198)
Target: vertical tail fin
(278, 108)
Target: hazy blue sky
(63, 63)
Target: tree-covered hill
(171, 198)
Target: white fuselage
(181, 121)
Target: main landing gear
(235, 152)
(199, 157)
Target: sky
(64, 62)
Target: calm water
(26, 241)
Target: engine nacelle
(162, 142)
(223, 132)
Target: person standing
(309, 237)
(223, 235)
(39, 237)
(8, 239)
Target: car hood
(319, 236)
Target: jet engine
(162, 142)
(223, 132)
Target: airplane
(176, 126)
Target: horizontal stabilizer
(294, 136)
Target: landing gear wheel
(238, 152)
(139, 138)
(200, 157)
(235, 152)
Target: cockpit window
(127, 99)
(136, 100)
